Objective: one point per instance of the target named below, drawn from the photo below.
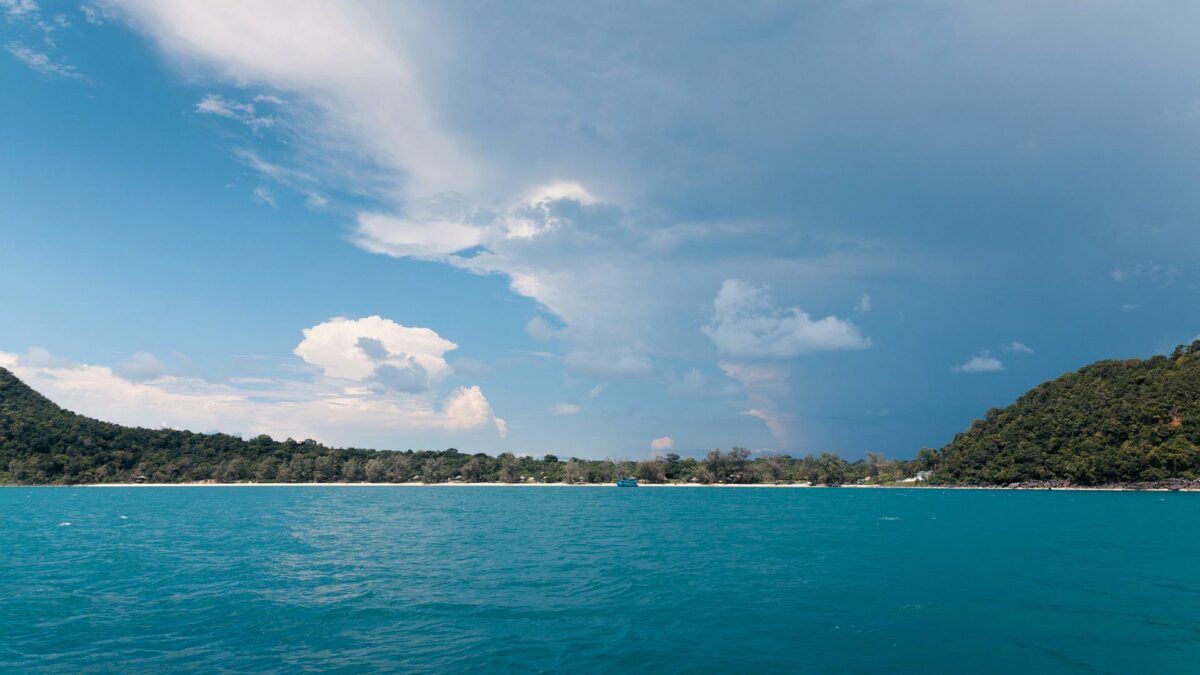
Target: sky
(591, 229)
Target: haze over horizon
(595, 230)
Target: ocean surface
(465, 579)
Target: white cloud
(361, 84)
(42, 62)
(263, 195)
(553, 192)
(215, 104)
(97, 14)
(338, 411)
(864, 304)
(19, 8)
(1017, 348)
(746, 324)
(402, 237)
(379, 351)
(565, 409)
(346, 61)
(1129, 307)
(662, 443)
(982, 362)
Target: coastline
(1054, 488)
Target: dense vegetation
(1110, 422)
(40, 443)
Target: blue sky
(593, 230)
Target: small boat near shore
(627, 482)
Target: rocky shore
(1169, 484)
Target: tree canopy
(41, 443)
(1109, 422)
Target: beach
(1055, 488)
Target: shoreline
(205, 484)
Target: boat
(627, 482)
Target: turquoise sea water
(597, 580)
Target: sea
(597, 580)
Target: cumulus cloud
(662, 443)
(378, 351)
(341, 411)
(746, 324)
(565, 409)
(982, 362)
(410, 378)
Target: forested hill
(1109, 422)
(40, 443)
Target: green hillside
(40, 443)
(1109, 422)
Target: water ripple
(498, 580)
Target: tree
(325, 469)
(232, 471)
(435, 471)
(352, 470)
(671, 467)
(510, 469)
(375, 470)
(473, 471)
(650, 471)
